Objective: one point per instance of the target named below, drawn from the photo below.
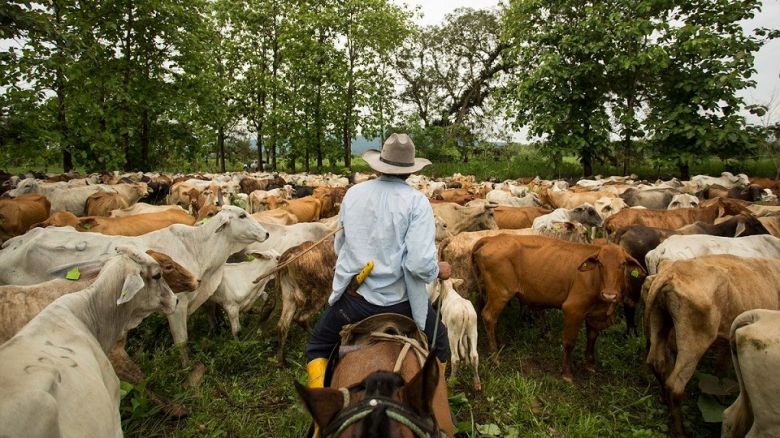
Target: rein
(296, 256)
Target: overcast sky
(767, 59)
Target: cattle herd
(85, 259)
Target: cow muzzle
(610, 296)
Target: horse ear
(418, 393)
(322, 403)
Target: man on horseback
(390, 223)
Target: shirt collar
(391, 179)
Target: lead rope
(296, 256)
(436, 329)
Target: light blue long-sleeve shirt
(392, 224)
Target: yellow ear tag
(73, 274)
(635, 273)
(250, 257)
(204, 220)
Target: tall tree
(560, 89)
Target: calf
(20, 214)
(755, 350)
(61, 354)
(690, 305)
(585, 281)
(460, 318)
(236, 293)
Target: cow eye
(607, 208)
(242, 216)
(157, 276)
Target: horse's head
(382, 405)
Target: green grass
(245, 394)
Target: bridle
(420, 426)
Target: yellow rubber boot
(316, 371)
(443, 370)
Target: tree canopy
(152, 84)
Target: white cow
(54, 374)
(460, 318)
(203, 250)
(501, 197)
(284, 237)
(755, 350)
(681, 247)
(726, 179)
(607, 206)
(584, 214)
(683, 200)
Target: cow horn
(220, 199)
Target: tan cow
(690, 305)
(585, 281)
(515, 218)
(567, 199)
(772, 224)
(277, 216)
(458, 196)
(20, 214)
(755, 350)
(472, 217)
(667, 219)
(141, 208)
(102, 203)
(134, 225)
(306, 209)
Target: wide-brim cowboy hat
(396, 157)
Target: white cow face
(683, 201)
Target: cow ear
(419, 391)
(457, 282)
(133, 283)
(634, 268)
(223, 221)
(741, 228)
(589, 263)
(322, 403)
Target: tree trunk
(318, 104)
(145, 140)
(62, 125)
(221, 148)
(346, 133)
(630, 102)
(274, 69)
(587, 163)
(126, 82)
(685, 171)
(259, 128)
(306, 159)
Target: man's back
(392, 224)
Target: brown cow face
(179, 279)
(614, 266)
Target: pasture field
(244, 394)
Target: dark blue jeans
(350, 309)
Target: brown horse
(366, 400)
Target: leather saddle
(363, 332)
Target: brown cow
(669, 219)
(304, 286)
(585, 281)
(515, 218)
(690, 305)
(134, 225)
(101, 203)
(20, 214)
(458, 196)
